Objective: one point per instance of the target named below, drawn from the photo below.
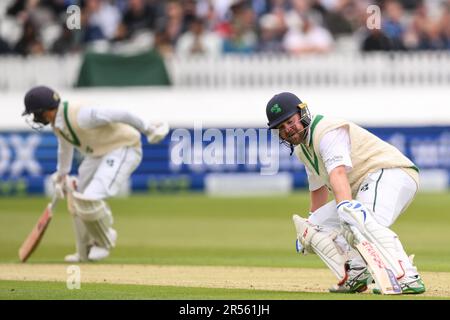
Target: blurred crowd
(214, 27)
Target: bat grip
(357, 234)
(54, 201)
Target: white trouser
(386, 193)
(101, 177)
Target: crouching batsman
(372, 183)
(110, 143)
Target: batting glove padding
(157, 132)
(58, 182)
(353, 213)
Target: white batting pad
(96, 217)
(384, 239)
(321, 242)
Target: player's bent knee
(96, 217)
(321, 242)
(353, 213)
(88, 209)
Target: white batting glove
(352, 212)
(59, 184)
(157, 132)
(299, 247)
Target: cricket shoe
(409, 284)
(355, 281)
(73, 258)
(96, 253)
(412, 285)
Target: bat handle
(356, 233)
(54, 201)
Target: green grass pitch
(194, 229)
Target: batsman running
(110, 142)
(372, 183)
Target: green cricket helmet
(284, 105)
(38, 100)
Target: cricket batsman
(372, 183)
(110, 142)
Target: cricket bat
(36, 234)
(384, 277)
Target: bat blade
(383, 276)
(36, 234)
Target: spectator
(139, 15)
(57, 7)
(376, 40)
(293, 17)
(339, 16)
(271, 34)
(101, 20)
(445, 23)
(416, 31)
(206, 11)
(68, 42)
(411, 4)
(244, 26)
(23, 10)
(243, 38)
(42, 12)
(275, 6)
(172, 23)
(434, 38)
(427, 34)
(260, 7)
(30, 42)
(4, 47)
(163, 45)
(189, 11)
(308, 37)
(393, 25)
(19, 8)
(197, 41)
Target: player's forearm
(340, 185)
(128, 118)
(319, 198)
(65, 156)
(90, 117)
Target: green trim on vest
(317, 119)
(415, 169)
(307, 154)
(75, 141)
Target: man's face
(45, 117)
(292, 130)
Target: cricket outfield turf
(191, 246)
